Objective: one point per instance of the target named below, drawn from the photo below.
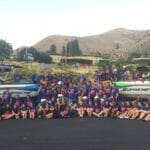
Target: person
(96, 109)
(41, 108)
(8, 113)
(89, 108)
(41, 93)
(48, 111)
(1, 111)
(17, 101)
(31, 111)
(66, 112)
(16, 111)
(6, 97)
(17, 77)
(105, 109)
(24, 111)
(81, 108)
(34, 77)
(60, 102)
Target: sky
(25, 22)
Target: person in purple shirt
(41, 93)
(31, 111)
(114, 92)
(6, 97)
(96, 109)
(8, 113)
(17, 77)
(23, 111)
(66, 112)
(89, 108)
(16, 111)
(81, 108)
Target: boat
(134, 88)
(22, 88)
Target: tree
(52, 50)
(5, 50)
(38, 56)
(117, 46)
(73, 48)
(63, 51)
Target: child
(81, 108)
(31, 111)
(48, 111)
(8, 113)
(16, 111)
(89, 108)
(66, 112)
(24, 111)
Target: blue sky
(25, 22)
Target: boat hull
(132, 89)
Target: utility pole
(26, 55)
(66, 52)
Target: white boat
(132, 89)
(22, 88)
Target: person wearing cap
(41, 107)
(60, 102)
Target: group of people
(62, 96)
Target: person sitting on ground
(41, 108)
(105, 109)
(17, 101)
(89, 108)
(8, 113)
(81, 108)
(48, 111)
(96, 109)
(66, 112)
(31, 111)
(16, 111)
(24, 111)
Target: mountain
(115, 42)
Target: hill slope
(115, 41)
